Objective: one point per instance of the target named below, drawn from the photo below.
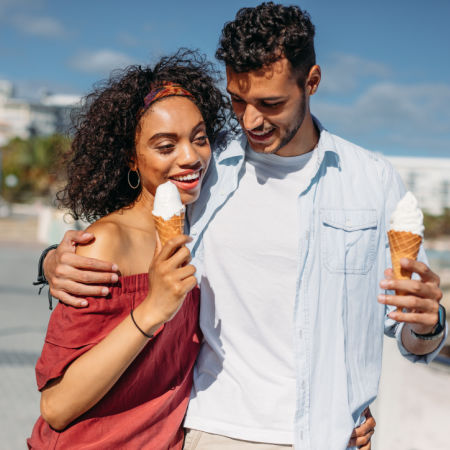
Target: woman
(124, 380)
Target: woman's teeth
(190, 177)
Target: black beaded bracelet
(150, 336)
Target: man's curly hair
(262, 35)
(106, 125)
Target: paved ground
(412, 411)
(23, 319)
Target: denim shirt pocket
(348, 239)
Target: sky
(385, 63)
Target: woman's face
(172, 145)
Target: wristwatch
(437, 331)
(41, 280)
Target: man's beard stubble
(290, 133)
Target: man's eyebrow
(232, 93)
(261, 99)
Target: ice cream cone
(167, 229)
(403, 244)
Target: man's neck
(304, 140)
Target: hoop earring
(138, 179)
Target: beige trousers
(199, 440)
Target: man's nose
(252, 118)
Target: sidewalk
(23, 319)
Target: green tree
(34, 162)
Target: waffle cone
(167, 229)
(403, 244)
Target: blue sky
(385, 64)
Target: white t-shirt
(244, 380)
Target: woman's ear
(133, 164)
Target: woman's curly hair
(262, 35)
(105, 129)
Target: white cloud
(412, 116)
(43, 26)
(342, 73)
(100, 61)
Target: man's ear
(313, 79)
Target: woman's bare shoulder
(108, 243)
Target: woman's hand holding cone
(171, 277)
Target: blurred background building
(23, 118)
(428, 179)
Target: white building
(21, 118)
(428, 179)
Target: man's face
(270, 107)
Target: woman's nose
(188, 154)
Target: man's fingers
(426, 274)
(368, 446)
(415, 287)
(66, 272)
(79, 237)
(411, 302)
(85, 263)
(362, 440)
(427, 320)
(389, 274)
(82, 290)
(70, 299)
(364, 428)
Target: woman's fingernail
(86, 235)
(105, 291)
(84, 303)
(382, 298)
(114, 277)
(385, 284)
(115, 267)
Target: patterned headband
(166, 89)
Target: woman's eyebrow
(163, 135)
(199, 125)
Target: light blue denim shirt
(343, 250)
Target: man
(289, 241)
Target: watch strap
(438, 330)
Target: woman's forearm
(93, 374)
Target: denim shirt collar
(235, 151)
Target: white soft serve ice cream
(167, 201)
(407, 216)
